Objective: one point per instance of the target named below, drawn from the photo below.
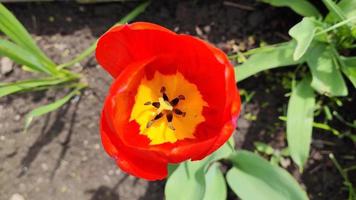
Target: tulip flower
(173, 98)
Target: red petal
(125, 44)
(131, 160)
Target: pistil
(167, 108)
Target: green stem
(335, 26)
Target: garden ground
(61, 157)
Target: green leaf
(349, 68)
(327, 78)
(17, 33)
(348, 8)
(189, 177)
(10, 88)
(302, 7)
(215, 184)
(22, 56)
(300, 117)
(49, 107)
(267, 58)
(254, 178)
(303, 33)
(335, 10)
(264, 148)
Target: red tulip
(173, 99)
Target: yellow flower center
(167, 108)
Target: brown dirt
(61, 157)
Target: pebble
(17, 197)
(6, 66)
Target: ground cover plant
(320, 84)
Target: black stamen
(163, 89)
(174, 102)
(179, 112)
(158, 116)
(149, 124)
(181, 97)
(165, 97)
(156, 104)
(169, 117)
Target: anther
(147, 103)
(179, 112)
(149, 124)
(156, 104)
(181, 97)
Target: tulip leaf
(254, 178)
(303, 33)
(189, 177)
(49, 107)
(300, 117)
(327, 78)
(215, 184)
(334, 9)
(267, 58)
(10, 88)
(22, 56)
(302, 7)
(349, 68)
(17, 33)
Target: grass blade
(10, 88)
(22, 56)
(300, 117)
(334, 8)
(49, 107)
(17, 33)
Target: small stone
(6, 66)
(2, 137)
(207, 29)
(44, 166)
(17, 197)
(17, 117)
(198, 31)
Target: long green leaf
(254, 178)
(278, 56)
(327, 78)
(300, 117)
(10, 88)
(215, 184)
(303, 33)
(16, 32)
(348, 8)
(22, 56)
(189, 177)
(49, 107)
(334, 8)
(129, 17)
(349, 68)
(302, 7)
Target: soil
(61, 158)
